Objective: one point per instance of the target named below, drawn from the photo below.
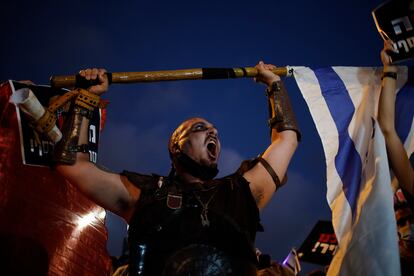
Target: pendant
(204, 219)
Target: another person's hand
(93, 74)
(385, 57)
(265, 74)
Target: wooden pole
(167, 75)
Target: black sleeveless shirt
(183, 228)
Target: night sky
(44, 38)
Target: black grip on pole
(218, 73)
(81, 82)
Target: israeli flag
(343, 102)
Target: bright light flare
(91, 218)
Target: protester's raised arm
(109, 190)
(397, 155)
(386, 112)
(269, 173)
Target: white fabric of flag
(343, 102)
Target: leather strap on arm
(281, 113)
(272, 172)
(65, 151)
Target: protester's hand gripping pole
(167, 75)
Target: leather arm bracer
(65, 151)
(281, 113)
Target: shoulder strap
(249, 164)
(272, 172)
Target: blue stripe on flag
(404, 107)
(347, 160)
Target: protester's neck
(188, 178)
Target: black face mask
(200, 171)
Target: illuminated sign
(320, 246)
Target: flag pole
(168, 75)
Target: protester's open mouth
(212, 148)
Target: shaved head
(181, 132)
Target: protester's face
(199, 140)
